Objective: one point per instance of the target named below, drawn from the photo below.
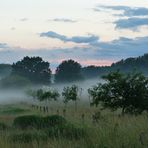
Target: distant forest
(35, 70)
(139, 64)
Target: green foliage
(127, 65)
(28, 121)
(34, 69)
(70, 94)
(68, 131)
(3, 126)
(68, 71)
(14, 81)
(44, 95)
(5, 70)
(126, 91)
(37, 122)
(53, 121)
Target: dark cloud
(63, 20)
(123, 47)
(127, 11)
(131, 23)
(75, 39)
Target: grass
(110, 131)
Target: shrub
(14, 81)
(3, 126)
(54, 120)
(30, 121)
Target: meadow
(100, 129)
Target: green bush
(32, 121)
(29, 121)
(53, 121)
(3, 126)
(14, 81)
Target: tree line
(34, 70)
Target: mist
(17, 95)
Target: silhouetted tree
(68, 71)
(33, 68)
(126, 91)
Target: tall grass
(111, 131)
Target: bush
(56, 126)
(3, 126)
(14, 81)
(30, 121)
(53, 121)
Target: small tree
(71, 94)
(126, 91)
(42, 95)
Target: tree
(33, 68)
(68, 71)
(14, 81)
(71, 94)
(42, 95)
(126, 91)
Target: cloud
(75, 39)
(12, 28)
(24, 19)
(123, 47)
(98, 53)
(131, 23)
(3, 45)
(63, 20)
(127, 11)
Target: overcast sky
(89, 31)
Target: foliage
(127, 65)
(33, 68)
(28, 121)
(3, 126)
(68, 71)
(68, 131)
(44, 95)
(38, 122)
(126, 91)
(14, 81)
(5, 70)
(70, 94)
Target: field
(106, 130)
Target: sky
(92, 32)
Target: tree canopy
(33, 68)
(126, 91)
(68, 71)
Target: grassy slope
(111, 131)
